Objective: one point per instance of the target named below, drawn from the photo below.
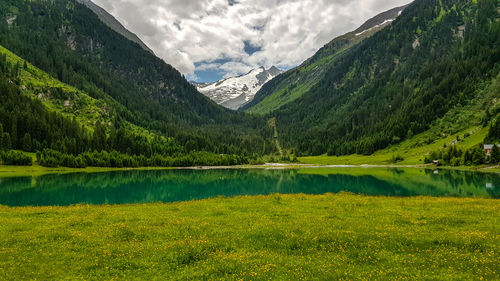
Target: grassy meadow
(413, 151)
(280, 237)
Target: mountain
(108, 84)
(72, 84)
(295, 82)
(428, 67)
(236, 91)
(114, 24)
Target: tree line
(115, 159)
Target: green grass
(279, 237)
(37, 170)
(36, 83)
(281, 97)
(413, 150)
(459, 121)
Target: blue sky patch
(211, 74)
(251, 49)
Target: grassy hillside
(52, 97)
(412, 151)
(58, 96)
(67, 127)
(68, 100)
(266, 237)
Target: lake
(183, 185)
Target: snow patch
(236, 91)
(376, 26)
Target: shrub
(17, 158)
(397, 158)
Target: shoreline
(37, 170)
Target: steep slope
(295, 82)
(236, 91)
(434, 58)
(39, 112)
(55, 95)
(69, 42)
(110, 21)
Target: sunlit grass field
(413, 151)
(37, 170)
(280, 237)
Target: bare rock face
(114, 24)
(234, 92)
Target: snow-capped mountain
(234, 92)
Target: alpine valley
(426, 71)
(378, 158)
(78, 82)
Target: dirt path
(272, 124)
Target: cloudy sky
(210, 39)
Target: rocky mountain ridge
(235, 92)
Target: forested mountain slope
(294, 83)
(38, 111)
(436, 57)
(67, 127)
(69, 42)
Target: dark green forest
(394, 84)
(68, 41)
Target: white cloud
(235, 68)
(192, 34)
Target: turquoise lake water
(183, 185)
